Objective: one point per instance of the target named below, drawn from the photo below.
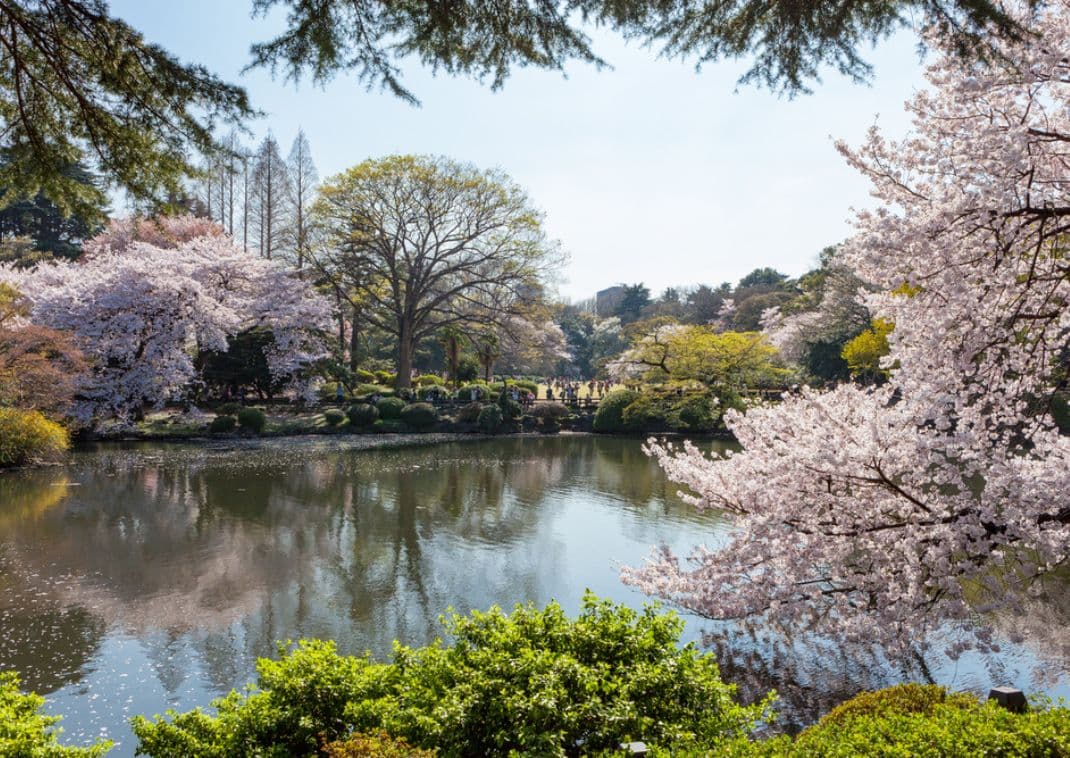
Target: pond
(142, 577)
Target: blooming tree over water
(150, 294)
(876, 513)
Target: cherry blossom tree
(150, 294)
(879, 514)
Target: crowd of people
(568, 390)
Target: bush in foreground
(490, 419)
(334, 417)
(29, 437)
(913, 719)
(25, 731)
(609, 418)
(380, 745)
(533, 681)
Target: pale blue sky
(647, 172)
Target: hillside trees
(428, 243)
(879, 514)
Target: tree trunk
(405, 351)
(354, 340)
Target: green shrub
(510, 408)
(365, 390)
(25, 731)
(469, 414)
(390, 407)
(467, 369)
(429, 380)
(527, 386)
(419, 415)
(252, 419)
(364, 377)
(362, 414)
(609, 418)
(385, 377)
(222, 424)
(389, 426)
(329, 391)
(695, 413)
(29, 437)
(642, 415)
(380, 745)
(483, 392)
(334, 417)
(924, 720)
(490, 419)
(228, 409)
(550, 410)
(531, 682)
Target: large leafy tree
(427, 243)
(53, 232)
(876, 514)
(789, 41)
(78, 85)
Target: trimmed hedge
(362, 414)
(29, 437)
(252, 419)
(469, 414)
(380, 745)
(222, 424)
(419, 415)
(609, 418)
(490, 419)
(334, 417)
(390, 407)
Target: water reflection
(145, 577)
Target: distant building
(608, 300)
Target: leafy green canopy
(533, 681)
(79, 86)
(25, 731)
(789, 40)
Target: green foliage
(698, 412)
(419, 415)
(390, 408)
(228, 409)
(1060, 413)
(363, 414)
(550, 410)
(609, 418)
(25, 732)
(380, 745)
(252, 420)
(386, 378)
(245, 364)
(364, 377)
(469, 414)
(389, 426)
(222, 424)
(510, 408)
(467, 369)
(92, 90)
(642, 414)
(483, 392)
(759, 276)
(863, 353)
(532, 681)
(429, 380)
(490, 419)
(334, 417)
(367, 390)
(915, 719)
(29, 437)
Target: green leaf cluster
(532, 681)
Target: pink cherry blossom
(878, 514)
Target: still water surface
(143, 577)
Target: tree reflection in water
(188, 561)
